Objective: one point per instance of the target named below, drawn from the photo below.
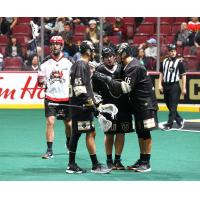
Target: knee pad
(144, 135)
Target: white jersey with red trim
(56, 75)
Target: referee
(171, 69)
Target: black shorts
(121, 124)
(146, 120)
(60, 112)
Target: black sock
(109, 157)
(49, 146)
(94, 159)
(67, 141)
(117, 157)
(146, 157)
(72, 157)
(141, 156)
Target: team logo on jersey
(56, 76)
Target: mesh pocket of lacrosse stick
(108, 108)
(104, 123)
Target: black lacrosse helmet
(107, 51)
(86, 47)
(124, 49)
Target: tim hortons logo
(32, 92)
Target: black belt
(171, 83)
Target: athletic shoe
(100, 169)
(74, 169)
(110, 164)
(47, 155)
(166, 127)
(181, 125)
(143, 167)
(118, 165)
(135, 165)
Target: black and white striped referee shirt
(172, 69)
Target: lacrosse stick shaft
(65, 105)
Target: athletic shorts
(146, 120)
(60, 112)
(121, 124)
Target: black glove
(89, 105)
(102, 77)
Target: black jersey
(121, 101)
(142, 94)
(81, 83)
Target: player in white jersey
(54, 74)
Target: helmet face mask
(56, 44)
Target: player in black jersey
(123, 121)
(82, 119)
(137, 84)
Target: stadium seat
(147, 28)
(165, 29)
(3, 40)
(181, 19)
(169, 39)
(150, 19)
(129, 20)
(167, 19)
(22, 40)
(114, 39)
(162, 38)
(138, 39)
(24, 20)
(176, 27)
(46, 50)
(12, 64)
(186, 50)
(192, 63)
(80, 29)
(22, 29)
(2, 49)
(78, 38)
(110, 20)
(130, 29)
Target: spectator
(107, 27)
(151, 53)
(197, 39)
(14, 48)
(142, 58)
(181, 38)
(70, 48)
(119, 28)
(7, 24)
(92, 33)
(33, 66)
(67, 30)
(107, 43)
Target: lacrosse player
(137, 84)
(82, 119)
(54, 74)
(123, 120)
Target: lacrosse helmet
(107, 51)
(124, 50)
(56, 40)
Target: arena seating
(12, 64)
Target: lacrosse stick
(35, 34)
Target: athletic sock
(94, 159)
(117, 158)
(109, 157)
(67, 141)
(49, 146)
(72, 157)
(146, 157)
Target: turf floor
(175, 154)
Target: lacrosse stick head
(97, 98)
(108, 108)
(35, 29)
(104, 123)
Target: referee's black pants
(172, 93)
